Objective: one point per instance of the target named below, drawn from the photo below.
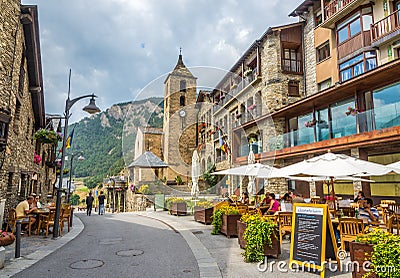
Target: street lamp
(92, 109)
(80, 158)
(113, 207)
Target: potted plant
(259, 236)
(225, 220)
(6, 238)
(381, 249)
(352, 111)
(247, 72)
(203, 212)
(47, 136)
(310, 123)
(176, 206)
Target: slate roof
(148, 160)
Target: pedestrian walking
(89, 203)
(101, 199)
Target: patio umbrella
(395, 167)
(257, 169)
(251, 186)
(334, 165)
(195, 174)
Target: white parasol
(195, 174)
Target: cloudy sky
(116, 47)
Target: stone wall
(310, 55)
(19, 175)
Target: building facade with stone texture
(21, 106)
(268, 76)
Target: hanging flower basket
(247, 72)
(251, 107)
(6, 238)
(352, 111)
(37, 158)
(47, 136)
(310, 123)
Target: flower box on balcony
(47, 136)
(238, 116)
(247, 72)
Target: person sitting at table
(297, 198)
(360, 196)
(274, 205)
(245, 198)
(286, 203)
(266, 201)
(37, 202)
(367, 211)
(23, 210)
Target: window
(182, 100)
(323, 52)
(357, 65)
(322, 124)
(387, 106)
(291, 60)
(293, 88)
(349, 28)
(10, 182)
(182, 86)
(17, 116)
(318, 18)
(343, 125)
(22, 75)
(324, 85)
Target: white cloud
(102, 41)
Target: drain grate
(186, 271)
(86, 264)
(197, 232)
(110, 241)
(130, 253)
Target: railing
(383, 117)
(385, 26)
(335, 6)
(245, 148)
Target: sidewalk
(35, 248)
(219, 256)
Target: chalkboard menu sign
(313, 240)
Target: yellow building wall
(327, 68)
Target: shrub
(217, 217)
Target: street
(119, 245)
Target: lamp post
(92, 109)
(80, 158)
(113, 207)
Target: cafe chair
(47, 221)
(394, 224)
(348, 211)
(394, 208)
(242, 209)
(66, 216)
(388, 202)
(285, 224)
(12, 221)
(349, 229)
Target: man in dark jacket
(89, 203)
(101, 203)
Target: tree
(75, 199)
(210, 179)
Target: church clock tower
(179, 139)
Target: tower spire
(180, 60)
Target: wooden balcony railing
(385, 26)
(335, 6)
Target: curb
(22, 263)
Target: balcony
(383, 117)
(386, 29)
(338, 9)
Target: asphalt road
(119, 246)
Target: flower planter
(203, 215)
(357, 254)
(178, 209)
(273, 250)
(7, 240)
(229, 224)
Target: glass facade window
(343, 125)
(322, 125)
(349, 28)
(387, 106)
(306, 134)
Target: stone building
(21, 105)
(268, 76)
